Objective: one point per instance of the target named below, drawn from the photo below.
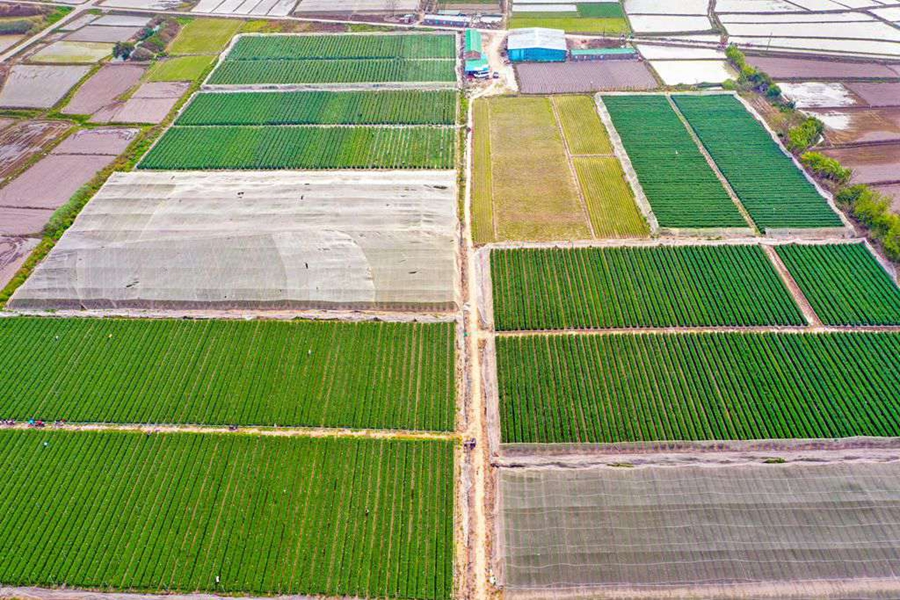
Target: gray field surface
(633, 533)
(257, 240)
(32, 86)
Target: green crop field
(844, 283)
(769, 185)
(411, 107)
(205, 36)
(609, 198)
(602, 17)
(583, 129)
(180, 68)
(681, 187)
(257, 47)
(723, 386)
(482, 175)
(229, 514)
(304, 147)
(688, 286)
(279, 71)
(302, 373)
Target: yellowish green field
(609, 198)
(534, 192)
(584, 131)
(482, 181)
(181, 68)
(205, 36)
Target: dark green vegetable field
(723, 386)
(682, 189)
(383, 107)
(362, 375)
(769, 185)
(844, 283)
(227, 514)
(304, 147)
(662, 286)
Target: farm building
(537, 44)
(604, 54)
(476, 63)
(454, 20)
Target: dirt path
(312, 432)
(805, 307)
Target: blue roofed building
(537, 44)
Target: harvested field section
(682, 189)
(227, 513)
(32, 86)
(703, 531)
(860, 125)
(844, 283)
(482, 175)
(150, 103)
(382, 107)
(583, 129)
(105, 86)
(302, 147)
(265, 373)
(257, 240)
(765, 179)
(584, 77)
(610, 201)
(704, 386)
(534, 192)
(815, 69)
(870, 164)
(665, 286)
(287, 71)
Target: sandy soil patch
(110, 82)
(72, 52)
(258, 240)
(93, 33)
(22, 221)
(582, 77)
(13, 252)
(692, 72)
(32, 86)
(816, 94)
(25, 139)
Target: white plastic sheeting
(257, 240)
(750, 530)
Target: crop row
(681, 187)
(294, 71)
(343, 46)
(362, 375)
(304, 147)
(229, 514)
(723, 386)
(662, 286)
(768, 184)
(413, 107)
(844, 283)
(610, 201)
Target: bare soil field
(580, 77)
(50, 182)
(13, 252)
(877, 94)
(32, 86)
(807, 69)
(151, 103)
(22, 221)
(860, 126)
(23, 140)
(103, 88)
(870, 164)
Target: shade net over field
(257, 240)
(743, 531)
